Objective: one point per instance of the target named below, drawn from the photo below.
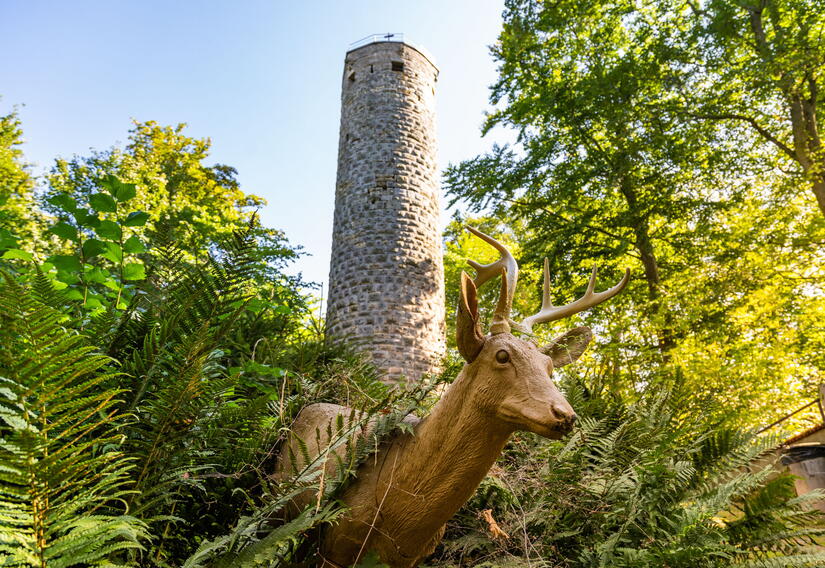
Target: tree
(601, 173)
(197, 207)
(199, 204)
(18, 218)
(759, 64)
(610, 170)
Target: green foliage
(208, 399)
(244, 548)
(19, 220)
(156, 260)
(206, 353)
(642, 484)
(196, 204)
(757, 69)
(613, 167)
(178, 300)
(262, 539)
(103, 264)
(64, 476)
(201, 426)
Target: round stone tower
(386, 288)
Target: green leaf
(109, 182)
(118, 189)
(136, 219)
(17, 254)
(93, 302)
(65, 262)
(74, 294)
(103, 202)
(125, 192)
(87, 219)
(113, 252)
(134, 271)
(93, 247)
(109, 230)
(255, 305)
(64, 230)
(261, 369)
(97, 275)
(7, 239)
(68, 277)
(133, 245)
(64, 202)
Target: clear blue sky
(260, 78)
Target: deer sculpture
(403, 495)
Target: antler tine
(549, 312)
(485, 272)
(507, 267)
(545, 288)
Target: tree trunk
(802, 108)
(644, 246)
(819, 191)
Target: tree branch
(571, 222)
(756, 126)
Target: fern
(269, 549)
(189, 408)
(641, 484)
(63, 478)
(260, 538)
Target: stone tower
(386, 289)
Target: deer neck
(453, 449)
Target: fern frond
(62, 475)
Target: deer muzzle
(565, 418)
(549, 419)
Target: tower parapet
(386, 287)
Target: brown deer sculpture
(403, 495)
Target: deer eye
(502, 356)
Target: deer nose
(566, 415)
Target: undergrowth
(642, 484)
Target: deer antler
(508, 268)
(549, 312)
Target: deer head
(511, 377)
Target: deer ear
(568, 347)
(468, 334)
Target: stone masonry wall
(386, 274)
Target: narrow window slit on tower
(352, 77)
(371, 69)
(398, 66)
